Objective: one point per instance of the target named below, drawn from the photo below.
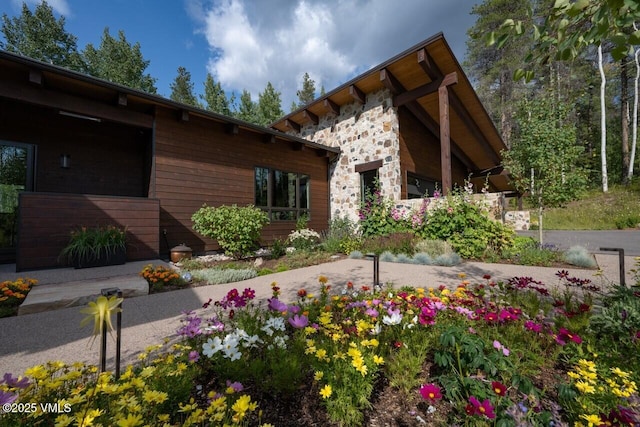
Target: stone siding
(365, 133)
(520, 220)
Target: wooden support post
(445, 131)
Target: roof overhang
(414, 77)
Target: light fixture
(65, 161)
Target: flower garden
(487, 353)
(520, 353)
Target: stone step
(77, 293)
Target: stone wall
(492, 201)
(520, 220)
(365, 133)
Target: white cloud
(59, 6)
(253, 42)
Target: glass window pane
(304, 192)
(284, 189)
(368, 182)
(261, 187)
(283, 215)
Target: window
(368, 177)
(283, 195)
(418, 187)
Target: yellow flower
(131, 421)
(318, 375)
(153, 396)
(619, 372)
(378, 360)
(593, 420)
(585, 387)
(242, 405)
(63, 420)
(37, 372)
(100, 312)
(321, 354)
(326, 391)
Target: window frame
(270, 208)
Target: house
(78, 151)
(413, 122)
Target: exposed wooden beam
(331, 106)
(391, 82)
(35, 77)
(290, 124)
(416, 93)
(310, 116)
(429, 66)
(445, 139)
(183, 115)
(28, 93)
(122, 99)
(357, 94)
(231, 128)
(267, 138)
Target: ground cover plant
(13, 293)
(506, 354)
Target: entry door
(16, 175)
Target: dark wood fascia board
(322, 153)
(123, 99)
(299, 146)
(292, 125)
(231, 128)
(74, 104)
(331, 106)
(310, 116)
(268, 138)
(496, 170)
(357, 94)
(35, 77)
(364, 167)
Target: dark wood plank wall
(420, 153)
(46, 220)
(198, 162)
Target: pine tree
(308, 91)
(247, 110)
(214, 97)
(269, 105)
(117, 61)
(182, 88)
(40, 36)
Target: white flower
(280, 341)
(251, 341)
(212, 346)
(376, 329)
(394, 319)
(230, 347)
(273, 324)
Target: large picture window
(283, 195)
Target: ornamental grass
(515, 353)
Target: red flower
(302, 293)
(499, 388)
(486, 276)
(430, 392)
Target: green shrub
(387, 256)
(216, 276)
(400, 242)
(281, 267)
(628, 221)
(404, 259)
(342, 236)
(577, 255)
(303, 239)
(237, 229)
(527, 251)
(379, 217)
(265, 271)
(447, 260)
(434, 247)
(278, 248)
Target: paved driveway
(629, 240)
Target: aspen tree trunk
(634, 137)
(603, 122)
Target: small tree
(237, 229)
(544, 158)
(182, 88)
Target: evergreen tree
(40, 36)
(182, 88)
(247, 110)
(269, 105)
(308, 91)
(117, 61)
(214, 97)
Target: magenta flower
(372, 312)
(194, 356)
(483, 409)
(299, 321)
(564, 336)
(532, 326)
(276, 305)
(430, 392)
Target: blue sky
(247, 43)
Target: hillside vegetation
(617, 209)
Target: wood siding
(198, 161)
(420, 153)
(46, 220)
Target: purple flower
(235, 386)
(194, 356)
(6, 397)
(14, 382)
(294, 309)
(276, 305)
(372, 312)
(298, 321)
(192, 328)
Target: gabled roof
(39, 83)
(413, 77)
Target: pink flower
(299, 322)
(430, 392)
(532, 326)
(483, 409)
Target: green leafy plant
(236, 229)
(278, 248)
(341, 236)
(399, 242)
(434, 247)
(215, 276)
(86, 245)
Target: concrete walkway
(56, 335)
